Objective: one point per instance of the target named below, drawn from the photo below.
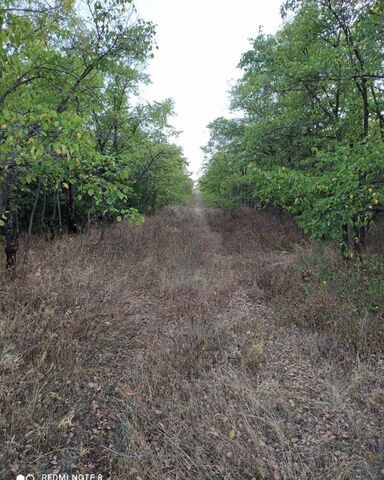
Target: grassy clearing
(176, 351)
(307, 283)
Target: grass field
(198, 346)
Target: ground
(155, 354)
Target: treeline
(76, 145)
(310, 135)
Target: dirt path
(171, 365)
(237, 396)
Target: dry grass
(307, 283)
(154, 355)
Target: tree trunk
(59, 214)
(104, 224)
(11, 233)
(72, 227)
(88, 224)
(27, 244)
(153, 201)
(11, 239)
(42, 216)
(345, 250)
(359, 241)
(364, 94)
(51, 223)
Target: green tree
(70, 143)
(311, 99)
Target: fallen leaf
(127, 391)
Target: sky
(200, 44)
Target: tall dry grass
(154, 355)
(307, 283)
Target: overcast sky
(200, 44)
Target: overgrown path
(163, 359)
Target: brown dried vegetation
(168, 351)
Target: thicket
(76, 145)
(307, 136)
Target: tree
(69, 140)
(311, 97)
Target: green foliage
(69, 133)
(310, 139)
